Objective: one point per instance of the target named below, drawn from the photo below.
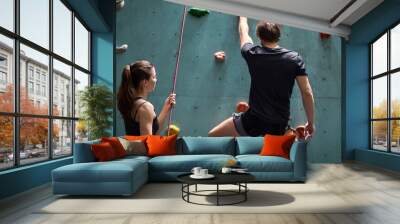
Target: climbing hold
(173, 130)
(324, 36)
(120, 4)
(219, 56)
(121, 49)
(198, 12)
(242, 107)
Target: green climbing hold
(198, 12)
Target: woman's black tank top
(132, 127)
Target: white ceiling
(327, 16)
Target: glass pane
(62, 29)
(81, 81)
(6, 142)
(7, 14)
(33, 139)
(34, 97)
(62, 89)
(379, 56)
(62, 138)
(379, 135)
(81, 45)
(395, 136)
(81, 131)
(395, 47)
(35, 21)
(395, 94)
(379, 97)
(6, 74)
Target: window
(3, 72)
(81, 45)
(7, 71)
(44, 91)
(62, 129)
(81, 81)
(38, 89)
(30, 72)
(47, 74)
(62, 29)
(30, 87)
(385, 94)
(37, 74)
(7, 14)
(35, 21)
(3, 61)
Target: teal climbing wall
(207, 91)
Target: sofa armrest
(83, 152)
(298, 155)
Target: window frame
(16, 114)
(388, 74)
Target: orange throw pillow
(161, 145)
(103, 152)
(277, 145)
(116, 145)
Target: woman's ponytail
(132, 75)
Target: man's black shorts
(247, 124)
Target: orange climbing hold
(219, 56)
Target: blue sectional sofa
(125, 176)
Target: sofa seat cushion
(185, 163)
(257, 163)
(111, 171)
(133, 157)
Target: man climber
(273, 70)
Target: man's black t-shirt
(273, 72)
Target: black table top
(220, 178)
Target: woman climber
(138, 80)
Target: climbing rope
(178, 55)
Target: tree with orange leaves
(33, 130)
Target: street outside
(29, 156)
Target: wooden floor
(378, 188)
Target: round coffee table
(238, 179)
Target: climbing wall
(207, 90)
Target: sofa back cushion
(206, 145)
(249, 145)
